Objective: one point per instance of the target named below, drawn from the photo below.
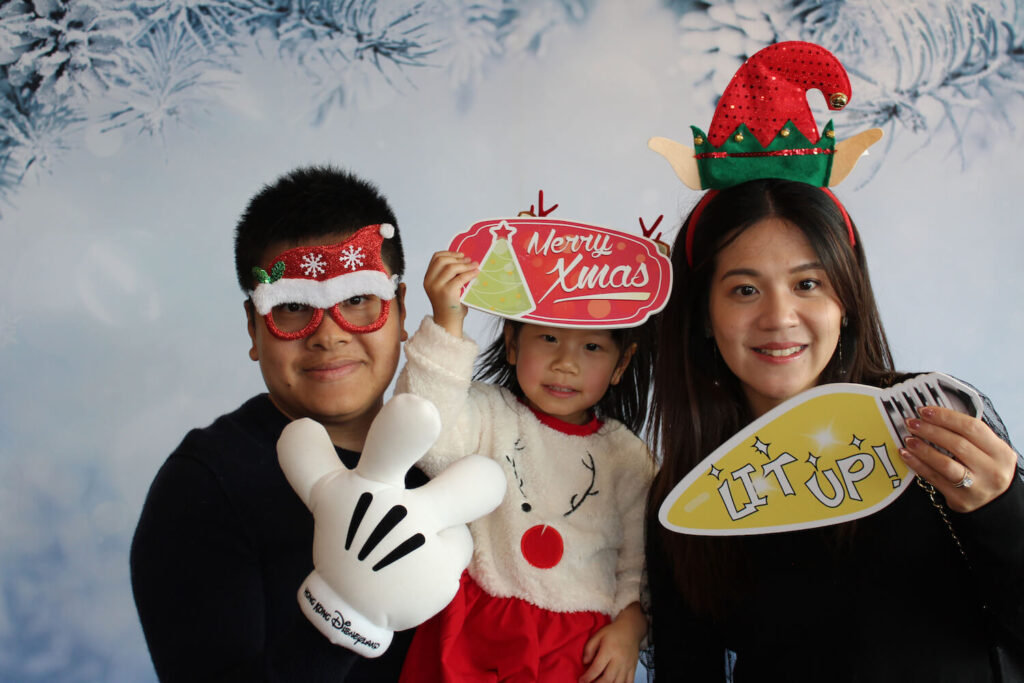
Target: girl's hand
(984, 467)
(447, 273)
(612, 653)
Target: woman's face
(774, 313)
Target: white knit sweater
(591, 489)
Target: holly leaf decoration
(275, 273)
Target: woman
(772, 297)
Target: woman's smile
(780, 352)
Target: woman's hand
(984, 464)
(447, 273)
(612, 653)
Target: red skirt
(479, 638)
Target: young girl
(552, 591)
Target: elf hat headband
(763, 128)
(319, 277)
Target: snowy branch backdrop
(133, 132)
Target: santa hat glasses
(346, 279)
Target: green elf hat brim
(790, 155)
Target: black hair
(307, 203)
(698, 403)
(626, 401)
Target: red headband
(710, 194)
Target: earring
(842, 326)
(842, 365)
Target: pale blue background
(121, 325)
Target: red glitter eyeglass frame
(339, 319)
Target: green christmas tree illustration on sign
(500, 287)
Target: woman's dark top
(897, 603)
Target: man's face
(332, 376)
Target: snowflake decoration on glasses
(351, 257)
(313, 265)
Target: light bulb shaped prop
(385, 558)
(826, 456)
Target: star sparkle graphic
(760, 446)
(824, 438)
(812, 459)
(856, 441)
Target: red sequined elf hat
(323, 277)
(764, 128)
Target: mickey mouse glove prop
(385, 558)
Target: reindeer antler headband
(763, 128)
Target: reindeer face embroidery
(542, 545)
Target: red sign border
(659, 265)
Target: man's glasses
(357, 315)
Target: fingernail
(912, 442)
(927, 411)
(905, 454)
(914, 424)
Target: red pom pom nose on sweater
(542, 546)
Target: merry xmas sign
(564, 274)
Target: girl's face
(774, 313)
(565, 372)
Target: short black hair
(311, 202)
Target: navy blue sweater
(220, 550)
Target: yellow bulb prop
(826, 456)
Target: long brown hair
(697, 401)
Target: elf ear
(681, 158)
(849, 151)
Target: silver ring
(965, 483)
